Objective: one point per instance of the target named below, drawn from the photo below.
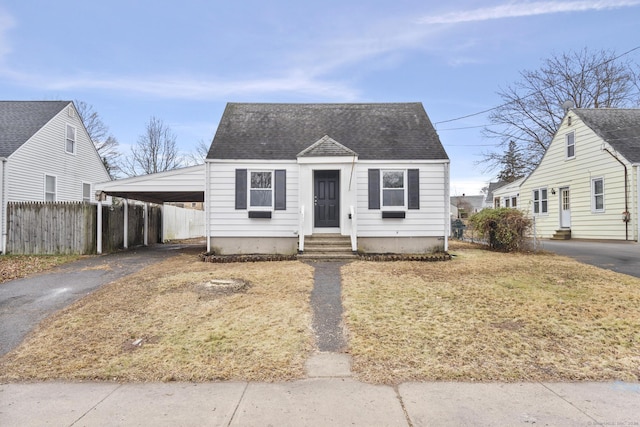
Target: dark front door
(326, 198)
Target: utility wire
(533, 93)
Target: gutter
(626, 192)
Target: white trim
(567, 145)
(67, 139)
(270, 189)
(593, 195)
(533, 200)
(90, 191)
(55, 190)
(404, 188)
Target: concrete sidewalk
(328, 397)
(319, 402)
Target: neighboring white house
(278, 172)
(587, 183)
(508, 195)
(46, 154)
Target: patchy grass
(489, 316)
(18, 266)
(177, 320)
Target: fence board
(70, 227)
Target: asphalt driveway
(622, 257)
(26, 302)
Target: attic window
(70, 145)
(571, 145)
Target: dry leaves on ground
(177, 321)
(19, 266)
(489, 316)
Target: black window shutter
(280, 196)
(241, 189)
(413, 181)
(374, 188)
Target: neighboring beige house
(587, 183)
(508, 195)
(46, 155)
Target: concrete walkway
(336, 401)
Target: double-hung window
(597, 194)
(571, 145)
(261, 189)
(540, 202)
(49, 188)
(70, 145)
(393, 188)
(86, 192)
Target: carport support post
(146, 224)
(126, 224)
(99, 228)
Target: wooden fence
(70, 228)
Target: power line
(531, 94)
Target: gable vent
(71, 112)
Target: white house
(587, 183)
(45, 155)
(276, 173)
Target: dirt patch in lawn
(181, 320)
(19, 266)
(488, 316)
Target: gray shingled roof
(619, 127)
(394, 131)
(20, 120)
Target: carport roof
(179, 185)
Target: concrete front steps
(562, 234)
(327, 247)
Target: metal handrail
(354, 231)
(301, 230)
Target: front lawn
(489, 316)
(181, 319)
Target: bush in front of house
(504, 228)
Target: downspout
(626, 195)
(3, 205)
(447, 207)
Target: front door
(326, 198)
(565, 208)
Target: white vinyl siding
(597, 195)
(424, 222)
(591, 162)
(44, 153)
(227, 221)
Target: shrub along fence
(70, 228)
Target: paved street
(623, 257)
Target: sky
(181, 62)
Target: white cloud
(190, 88)
(520, 9)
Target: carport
(178, 185)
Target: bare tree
(155, 151)
(532, 108)
(105, 143)
(199, 153)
